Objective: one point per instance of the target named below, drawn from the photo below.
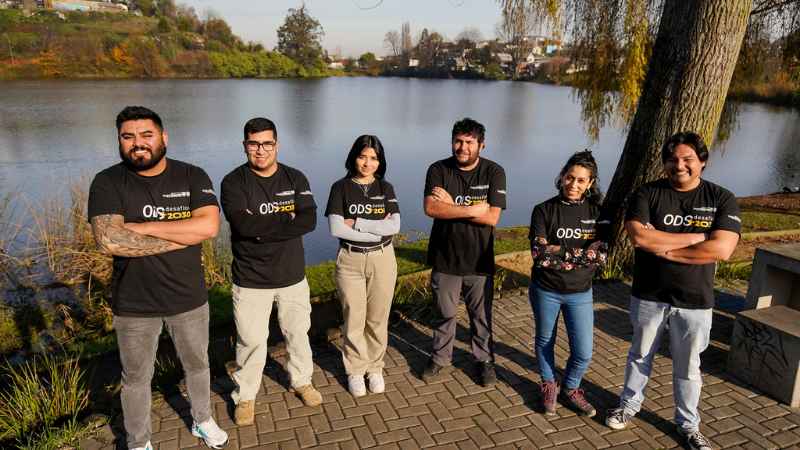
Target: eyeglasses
(253, 146)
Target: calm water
(53, 130)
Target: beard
(470, 161)
(140, 165)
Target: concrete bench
(765, 344)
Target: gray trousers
(478, 298)
(137, 338)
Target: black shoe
(488, 377)
(574, 399)
(549, 390)
(431, 370)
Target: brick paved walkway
(456, 412)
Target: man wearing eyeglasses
(269, 207)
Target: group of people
(152, 214)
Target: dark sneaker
(549, 389)
(696, 440)
(617, 418)
(431, 370)
(488, 377)
(574, 400)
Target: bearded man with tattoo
(152, 214)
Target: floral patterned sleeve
(572, 258)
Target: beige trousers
(366, 285)
(251, 311)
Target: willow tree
(677, 83)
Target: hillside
(48, 43)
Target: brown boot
(245, 413)
(309, 395)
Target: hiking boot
(696, 440)
(549, 389)
(488, 377)
(431, 370)
(376, 383)
(147, 446)
(245, 413)
(575, 400)
(355, 384)
(309, 395)
(211, 434)
(618, 418)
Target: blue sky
(357, 31)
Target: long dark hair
(362, 143)
(586, 160)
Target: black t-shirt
(706, 208)
(458, 246)
(267, 245)
(349, 201)
(575, 226)
(168, 283)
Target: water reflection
(60, 129)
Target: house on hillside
(83, 5)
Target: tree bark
(685, 87)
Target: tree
(406, 43)
(147, 7)
(686, 81)
(468, 37)
(219, 30)
(364, 59)
(517, 23)
(392, 41)
(299, 38)
(493, 72)
(427, 50)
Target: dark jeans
(138, 341)
(478, 298)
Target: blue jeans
(689, 331)
(137, 338)
(579, 320)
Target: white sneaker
(147, 446)
(355, 383)
(212, 434)
(376, 383)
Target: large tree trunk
(685, 88)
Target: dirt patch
(774, 203)
(746, 248)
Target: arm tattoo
(112, 237)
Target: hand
(553, 248)
(443, 196)
(479, 209)
(388, 216)
(350, 222)
(249, 212)
(293, 215)
(594, 245)
(649, 226)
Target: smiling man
(680, 226)
(269, 207)
(152, 214)
(464, 194)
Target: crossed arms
(686, 248)
(440, 205)
(115, 237)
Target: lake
(51, 131)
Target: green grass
(34, 401)
(514, 239)
(764, 221)
(55, 438)
(733, 270)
